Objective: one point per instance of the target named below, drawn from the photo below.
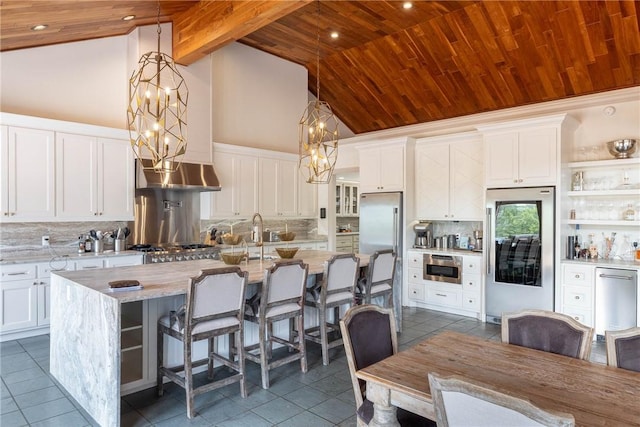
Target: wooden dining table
(595, 394)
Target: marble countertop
(465, 252)
(20, 257)
(160, 280)
(39, 254)
(607, 263)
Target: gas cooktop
(176, 252)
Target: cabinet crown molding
(550, 120)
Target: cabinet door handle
(18, 273)
(89, 266)
(577, 276)
(441, 295)
(577, 297)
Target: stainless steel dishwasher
(616, 300)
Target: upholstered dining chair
(623, 348)
(337, 289)
(379, 278)
(548, 331)
(460, 403)
(281, 298)
(369, 334)
(214, 307)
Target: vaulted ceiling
(390, 66)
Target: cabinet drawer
(581, 315)
(344, 248)
(471, 265)
(577, 296)
(89, 264)
(415, 259)
(44, 269)
(415, 275)
(471, 301)
(416, 292)
(444, 297)
(471, 282)
(17, 272)
(573, 274)
(344, 240)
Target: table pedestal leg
(384, 413)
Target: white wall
(80, 82)
(258, 99)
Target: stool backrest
(215, 293)
(382, 267)
(341, 273)
(284, 281)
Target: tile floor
(322, 397)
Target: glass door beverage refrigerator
(520, 250)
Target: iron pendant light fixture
(157, 111)
(318, 132)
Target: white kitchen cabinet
(448, 178)
(27, 174)
(238, 174)
(382, 168)
(347, 199)
(525, 153)
(92, 262)
(278, 187)
(25, 298)
(463, 299)
(307, 198)
(94, 179)
(578, 292)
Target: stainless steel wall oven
(442, 268)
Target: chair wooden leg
(301, 344)
(265, 344)
(188, 380)
(323, 336)
(239, 343)
(210, 349)
(269, 342)
(160, 356)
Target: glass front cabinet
(347, 199)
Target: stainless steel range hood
(189, 176)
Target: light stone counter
(85, 322)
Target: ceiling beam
(209, 25)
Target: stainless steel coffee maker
(424, 235)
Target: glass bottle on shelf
(578, 181)
(629, 214)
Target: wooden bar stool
(214, 307)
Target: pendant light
(318, 131)
(157, 111)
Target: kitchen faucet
(260, 242)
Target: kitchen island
(86, 319)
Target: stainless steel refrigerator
(381, 228)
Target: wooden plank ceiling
(389, 67)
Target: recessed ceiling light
(407, 5)
(39, 27)
(335, 35)
(128, 17)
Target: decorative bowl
(231, 239)
(286, 236)
(233, 259)
(287, 252)
(622, 148)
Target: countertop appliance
(616, 300)
(442, 268)
(381, 228)
(424, 235)
(520, 250)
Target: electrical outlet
(45, 241)
(457, 235)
